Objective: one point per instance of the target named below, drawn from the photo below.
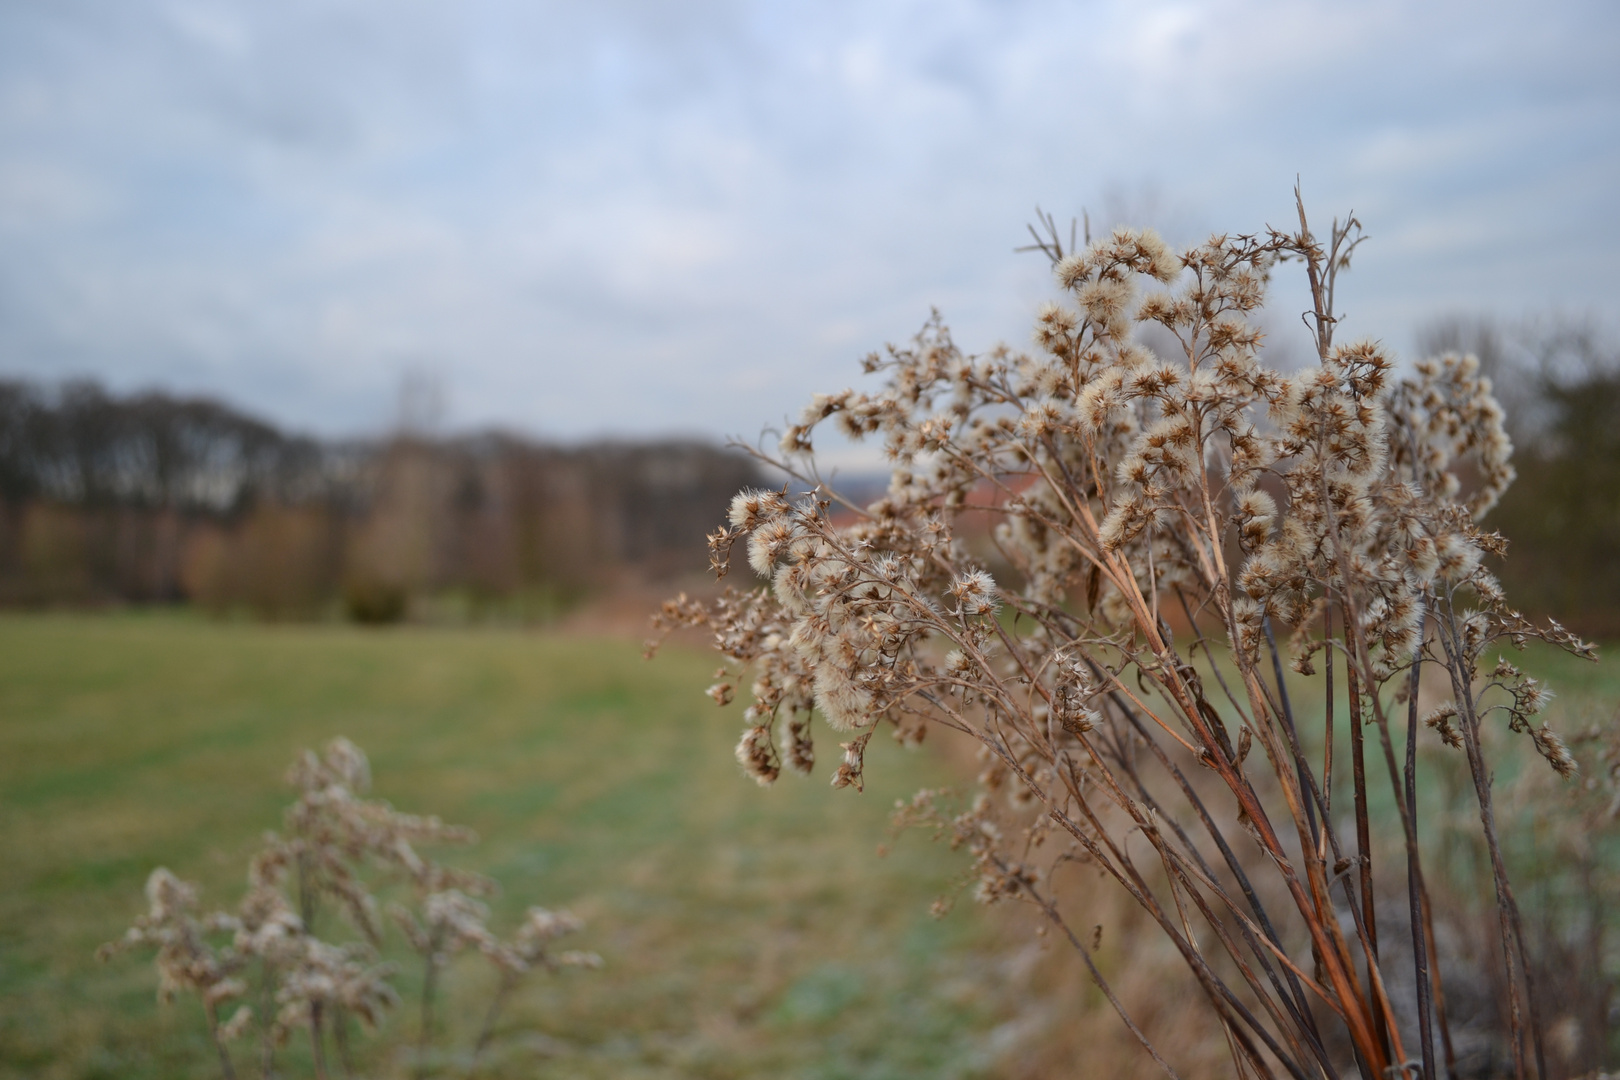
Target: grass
(746, 932)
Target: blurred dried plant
(1155, 520)
(268, 950)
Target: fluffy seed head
(975, 593)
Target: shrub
(1325, 520)
(267, 952)
(374, 603)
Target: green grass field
(746, 932)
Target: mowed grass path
(746, 932)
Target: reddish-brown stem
(1509, 925)
(1414, 868)
(1327, 717)
(1051, 912)
(1358, 767)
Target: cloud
(639, 217)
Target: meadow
(745, 932)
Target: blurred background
(316, 314)
(314, 300)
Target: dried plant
(1562, 839)
(186, 960)
(1130, 491)
(318, 986)
(530, 949)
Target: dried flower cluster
(269, 947)
(1157, 515)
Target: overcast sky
(641, 218)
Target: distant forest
(1558, 379)
(153, 498)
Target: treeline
(153, 498)
(1559, 381)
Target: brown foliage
(1341, 501)
(149, 499)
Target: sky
(635, 219)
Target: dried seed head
(1110, 483)
(1553, 749)
(1441, 719)
(750, 509)
(975, 593)
(755, 755)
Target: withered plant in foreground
(267, 955)
(1325, 520)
